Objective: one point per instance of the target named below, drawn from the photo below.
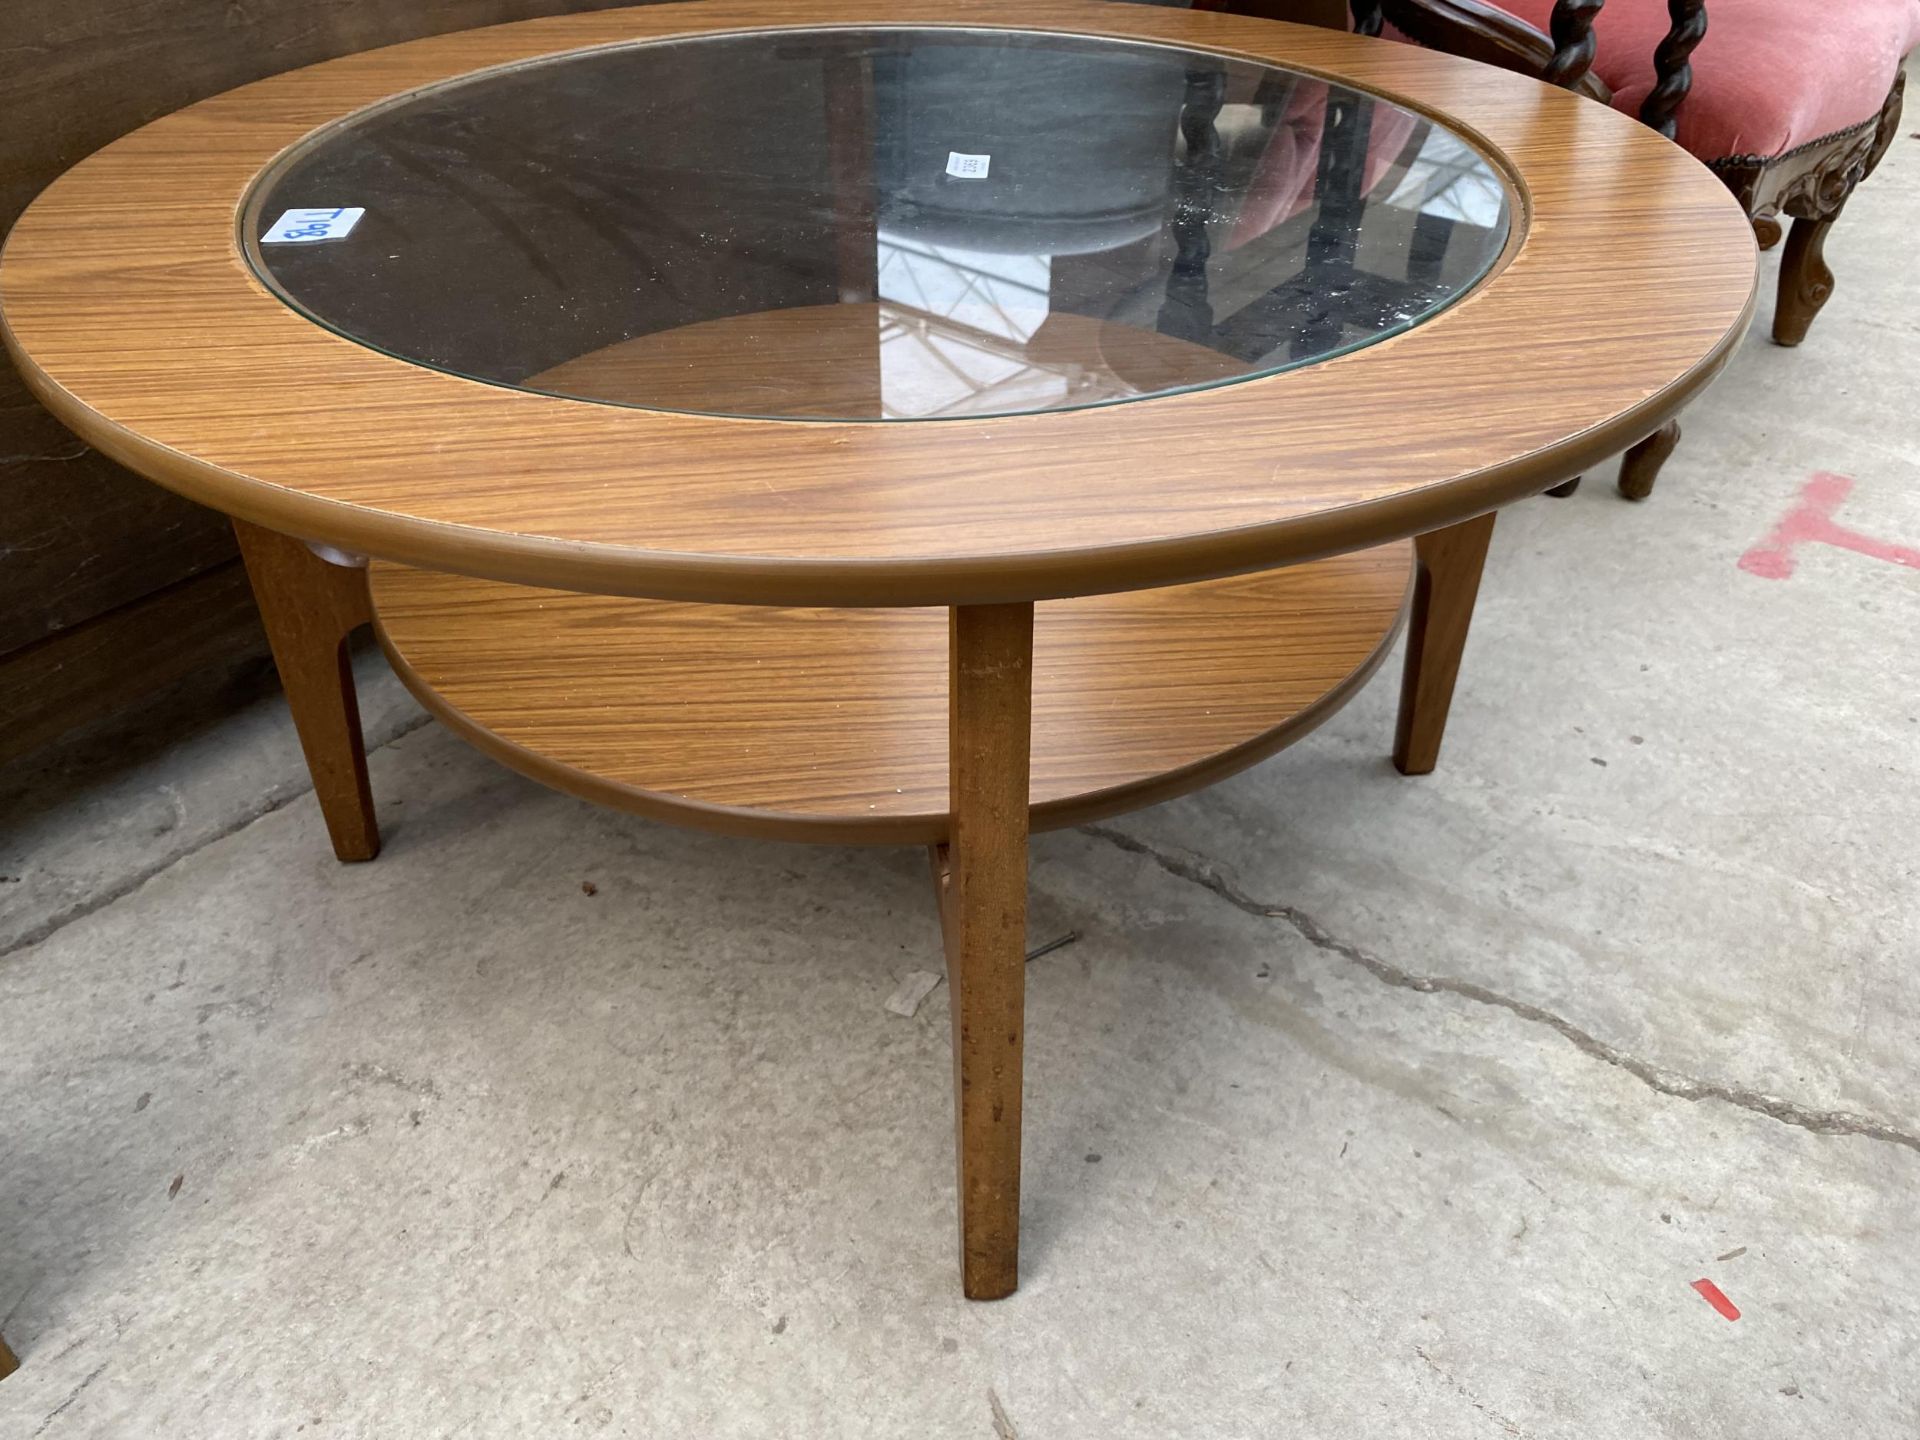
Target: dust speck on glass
(881, 224)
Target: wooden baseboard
(114, 660)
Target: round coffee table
(906, 423)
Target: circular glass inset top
(877, 224)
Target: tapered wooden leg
(1565, 488)
(1640, 466)
(7, 1362)
(1446, 582)
(309, 607)
(981, 876)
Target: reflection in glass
(885, 224)
(955, 327)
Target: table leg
(981, 878)
(7, 1362)
(1446, 581)
(1640, 466)
(309, 607)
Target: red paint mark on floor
(1811, 522)
(1710, 1293)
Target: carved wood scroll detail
(1819, 193)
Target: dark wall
(78, 535)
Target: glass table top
(877, 224)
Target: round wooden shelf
(831, 724)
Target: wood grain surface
(831, 725)
(983, 920)
(1446, 582)
(1629, 278)
(310, 607)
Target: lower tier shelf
(831, 725)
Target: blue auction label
(297, 227)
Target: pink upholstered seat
(1770, 76)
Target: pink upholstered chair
(1791, 102)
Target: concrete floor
(1365, 1106)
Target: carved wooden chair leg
(8, 1364)
(1806, 284)
(1565, 489)
(1640, 466)
(1446, 582)
(310, 607)
(981, 880)
(1767, 232)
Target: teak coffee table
(908, 422)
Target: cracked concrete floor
(1364, 1106)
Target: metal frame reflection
(956, 336)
